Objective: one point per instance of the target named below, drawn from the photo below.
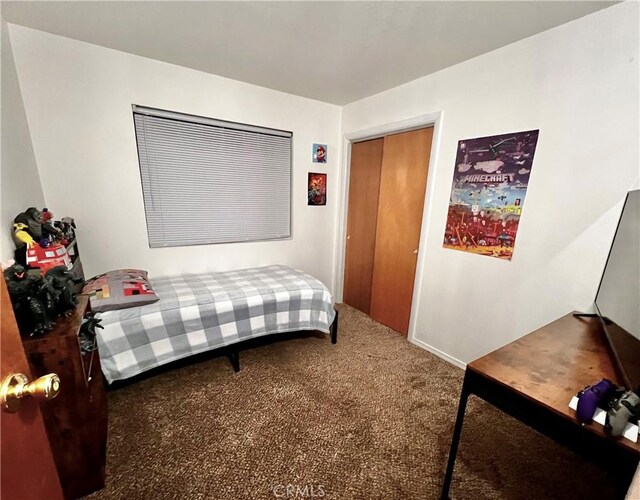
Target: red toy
(46, 258)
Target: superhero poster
(487, 195)
(317, 189)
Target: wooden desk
(534, 378)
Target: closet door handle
(348, 236)
(415, 251)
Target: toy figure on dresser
(32, 218)
(21, 237)
(31, 297)
(49, 297)
(67, 225)
(26, 223)
(88, 332)
(62, 281)
(40, 241)
(45, 258)
(50, 233)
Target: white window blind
(209, 181)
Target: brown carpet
(368, 418)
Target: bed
(203, 312)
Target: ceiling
(336, 52)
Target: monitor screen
(618, 299)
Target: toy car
(46, 258)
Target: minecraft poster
(487, 196)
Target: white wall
(20, 186)
(78, 101)
(578, 84)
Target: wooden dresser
(76, 420)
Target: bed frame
(231, 352)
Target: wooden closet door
(403, 180)
(364, 185)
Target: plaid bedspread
(200, 312)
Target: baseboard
(439, 353)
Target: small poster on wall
(317, 190)
(319, 153)
(487, 195)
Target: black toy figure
(61, 281)
(32, 218)
(88, 332)
(31, 300)
(50, 297)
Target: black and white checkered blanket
(200, 312)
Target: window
(210, 181)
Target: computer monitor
(618, 298)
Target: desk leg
(457, 431)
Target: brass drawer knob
(16, 386)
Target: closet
(387, 185)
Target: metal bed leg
(334, 328)
(234, 357)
